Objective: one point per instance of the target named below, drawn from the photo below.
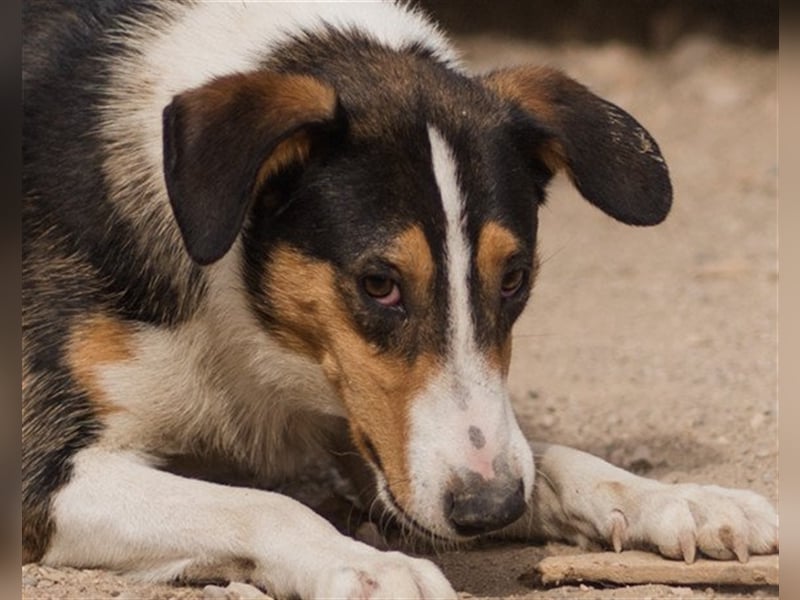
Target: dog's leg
(584, 500)
(117, 512)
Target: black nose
(474, 505)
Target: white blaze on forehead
(468, 395)
(462, 335)
(468, 392)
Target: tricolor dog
(257, 231)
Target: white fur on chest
(219, 385)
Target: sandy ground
(653, 348)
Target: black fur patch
(80, 255)
(374, 178)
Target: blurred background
(652, 24)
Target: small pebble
(52, 574)
(683, 592)
(641, 460)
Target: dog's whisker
(555, 252)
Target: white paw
(384, 575)
(679, 520)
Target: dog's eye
(384, 290)
(512, 282)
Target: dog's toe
(390, 575)
(720, 523)
(734, 523)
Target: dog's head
(388, 213)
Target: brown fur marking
(535, 89)
(98, 341)
(615, 488)
(290, 151)
(285, 99)
(496, 244)
(411, 254)
(376, 388)
(530, 87)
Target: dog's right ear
(612, 160)
(223, 140)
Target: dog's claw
(618, 529)
(742, 553)
(740, 549)
(688, 545)
(685, 547)
(725, 543)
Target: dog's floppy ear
(224, 139)
(611, 159)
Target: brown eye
(383, 289)
(512, 282)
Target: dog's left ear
(223, 140)
(611, 159)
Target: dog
(257, 232)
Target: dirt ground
(653, 348)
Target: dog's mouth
(384, 493)
(406, 520)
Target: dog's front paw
(384, 575)
(678, 520)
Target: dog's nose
(474, 505)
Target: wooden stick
(634, 567)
